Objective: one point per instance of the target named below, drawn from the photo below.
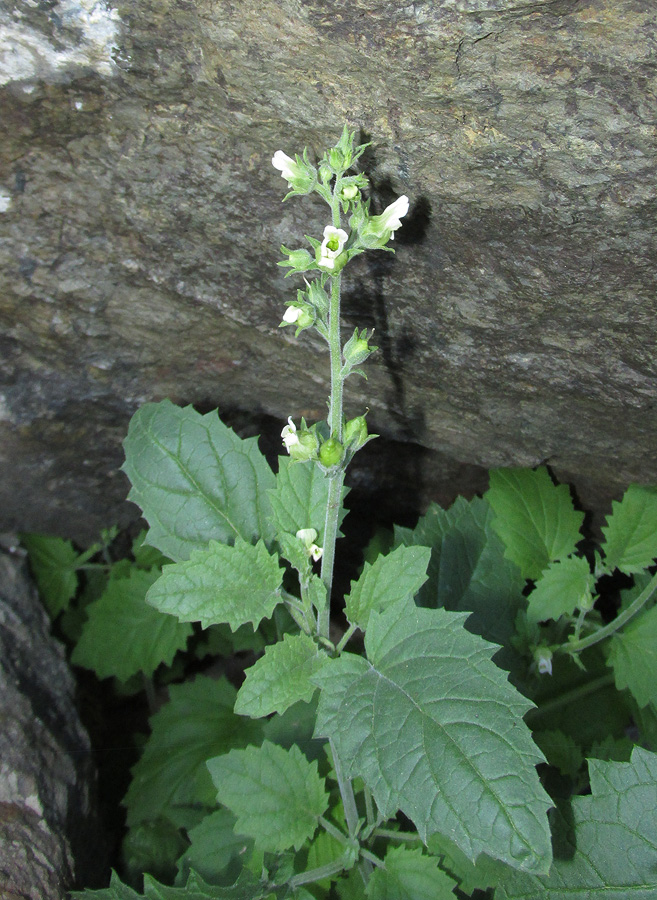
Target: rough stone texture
(48, 831)
(141, 220)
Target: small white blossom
(289, 434)
(287, 166)
(390, 218)
(543, 658)
(292, 314)
(315, 552)
(307, 535)
(332, 246)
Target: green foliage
(633, 657)
(429, 708)
(245, 888)
(398, 575)
(535, 518)
(280, 678)
(299, 498)
(605, 844)
(221, 584)
(631, 531)
(276, 794)
(54, 565)
(215, 849)
(409, 875)
(195, 480)
(564, 586)
(120, 611)
(196, 724)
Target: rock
(141, 219)
(48, 832)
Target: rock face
(48, 830)
(141, 219)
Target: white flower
(332, 246)
(315, 552)
(289, 434)
(287, 166)
(543, 658)
(309, 536)
(292, 314)
(390, 218)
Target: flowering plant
(392, 756)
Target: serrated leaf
(435, 729)
(276, 794)
(563, 587)
(152, 847)
(631, 531)
(220, 583)
(535, 518)
(122, 610)
(195, 725)
(633, 657)
(281, 677)
(247, 887)
(397, 576)
(560, 751)
(215, 851)
(606, 845)
(147, 557)
(300, 496)
(53, 563)
(468, 570)
(409, 875)
(480, 875)
(195, 479)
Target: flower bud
(543, 659)
(301, 445)
(297, 260)
(349, 192)
(357, 348)
(303, 316)
(330, 453)
(355, 433)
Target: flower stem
(620, 620)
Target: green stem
(370, 857)
(620, 620)
(344, 640)
(346, 792)
(396, 835)
(577, 693)
(332, 868)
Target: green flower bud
(355, 432)
(357, 348)
(306, 448)
(330, 453)
(349, 192)
(297, 260)
(337, 160)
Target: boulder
(141, 219)
(49, 833)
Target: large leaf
(196, 724)
(606, 845)
(409, 875)
(631, 531)
(53, 562)
(300, 496)
(633, 657)
(215, 850)
(281, 677)
(468, 570)
(564, 586)
(535, 518)
(220, 583)
(122, 610)
(247, 887)
(276, 794)
(396, 576)
(435, 729)
(195, 479)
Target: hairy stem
(620, 620)
(346, 792)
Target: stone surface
(48, 831)
(140, 219)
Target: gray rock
(48, 830)
(141, 218)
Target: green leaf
(480, 875)
(535, 518)
(121, 611)
(300, 496)
(324, 849)
(633, 657)
(562, 588)
(220, 583)
(435, 729)
(409, 875)
(631, 531)
(276, 794)
(147, 557)
(399, 575)
(281, 677)
(116, 891)
(196, 724)
(153, 847)
(560, 751)
(215, 851)
(245, 888)
(606, 844)
(195, 479)
(53, 562)
(468, 571)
